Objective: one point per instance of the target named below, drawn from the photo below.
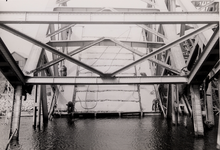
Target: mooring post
(196, 109)
(16, 113)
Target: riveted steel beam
(107, 81)
(106, 42)
(96, 9)
(27, 17)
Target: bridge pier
(196, 109)
(16, 113)
(209, 106)
(37, 107)
(40, 101)
(185, 111)
(171, 114)
(44, 104)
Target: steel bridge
(182, 61)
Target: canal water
(147, 133)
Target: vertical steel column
(171, 104)
(174, 103)
(177, 105)
(35, 107)
(218, 135)
(44, 100)
(196, 108)
(44, 104)
(16, 112)
(39, 89)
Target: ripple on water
(151, 132)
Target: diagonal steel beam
(168, 67)
(163, 48)
(60, 30)
(131, 49)
(78, 50)
(8, 64)
(203, 57)
(49, 48)
(152, 31)
(192, 55)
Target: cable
(97, 58)
(119, 50)
(86, 99)
(86, 107)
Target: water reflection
(151, 132)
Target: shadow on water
(150, 132)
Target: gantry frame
(161, 13)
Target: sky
(15, 43)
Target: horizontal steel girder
(108, 17)
(107, 81)
(49, 48)
(97, 9)
(106, 42)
